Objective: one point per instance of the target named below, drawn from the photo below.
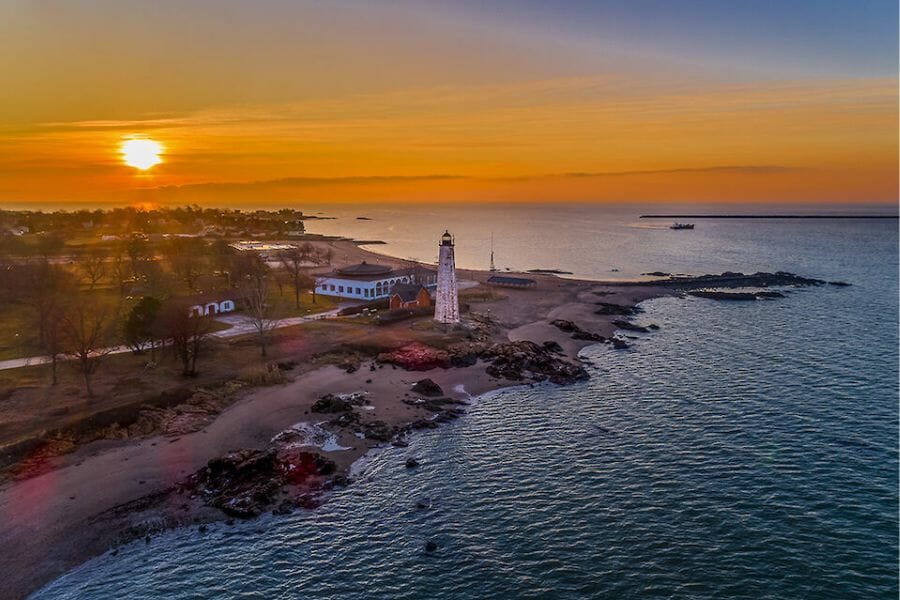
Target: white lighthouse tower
(446, 304)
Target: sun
(141, 153)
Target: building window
(331, 287)
(341, 289)
(358, 292)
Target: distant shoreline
(770, 216)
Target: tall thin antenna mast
(493, 268)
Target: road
(240, 325)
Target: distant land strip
(770, 216)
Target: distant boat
(681, 226)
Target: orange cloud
(591, 139)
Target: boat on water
(681, 226)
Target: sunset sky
(275, 101)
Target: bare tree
(187, 331)
(185, 256)
(295, 261)
(246, 264)
(87, 332)
(93, 265)
(255, 296)
(138, 251)
(120, 269)
(47, 287)
(52, 345)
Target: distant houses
(211, 304)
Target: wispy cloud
(735, 169)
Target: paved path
(240, 325)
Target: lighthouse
(446, 304)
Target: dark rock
(286, 365)
(423, 503)
(340, 481)
(378, 431)
(285, 508)
(551, 346)
(712, 295)
(431, 546)
(563, 325)
(839, 283)
(345, 419)
(245, 483)
(619, 343)
(399, 443)
(653, 326)
(516, 360)
(741, 296)
(427, 387)
(728, 279)
(656, 274)
(308, 501)
(608, 308)
(587, 335)
(411, 463)
(628, 326)
(330, 403)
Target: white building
(264, 249)
(366, 281)
(446, 303)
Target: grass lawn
(17, 334)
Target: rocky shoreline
(284, 447)
(288, 474)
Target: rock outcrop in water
(518, 360)
(728, 279)
(608, 308)
(577, 332)
(629, 326)
(246, 483)
(719, 295)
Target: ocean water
(746, 450)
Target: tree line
(79, 307)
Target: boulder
(551, 346)
(378, 431)
(628, 326)
(564, 325)
(427, 387)
(329, 403)
(246, 483)
(608, 308)
(416, 357)
(521, 359)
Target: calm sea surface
(746, 450)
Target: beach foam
(306, 434)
